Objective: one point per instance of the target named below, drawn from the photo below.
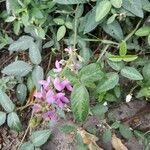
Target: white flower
(128, 98)
(105, 103)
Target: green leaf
(102, 9)
(131, 73)
(99, 110)
(67, 2)
(146, 71)
(13, 121)
(115, 125)
(111, 19)
(61, 32)
(122, 48)
(2, 118)
(117, 91)
(143, 31)
(80, 102)
(37, 75)
(91, 73)
(30, 83)
(149, 39)
(23, 43)
(110, 97)
(16, 28)
(10, 19)
(27, 146)
(90, 24)
(111, 81)
(25, 18)
(34, 53)
(125, 131)
(134, 6)
(116, 65)
(116, 3)
(17, 68)
(66, 128)
(126, 58)
(59, 21)
(144, 92)
(107, 135)
(6, 103)
(71, 76)
(40, 32)
(38, 138)
(113, 29)
(21, 92)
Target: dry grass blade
(89, 139)
(117, 144)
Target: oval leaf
(144, 31)
(21, 92)
(27, 146)
(131, 73)
(67, 2)
(13, 121)
(102, 9)
(6, 103)
(116, 3)
(17, 68)
(38, 138)
(37, 75)
(61, 32)
(146, 71)
(80, 102)
(34, 54)
(111, 81)
(2, 118)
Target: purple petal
(38, 95)
(50, 97)
(36, 108)
(50, 115)
(58, 84)
(67, 84)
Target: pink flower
(36, 108)
(50, 97)
(58, 66)
(45, 83)
(60, 85)
(41, 94)
(69, 50)
(61, 99)
(67, 84)
(50, 115)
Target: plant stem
(132, 32)
(25, 133)
(103, 52)
(100, 40)
(75, 30)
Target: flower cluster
(51, 96)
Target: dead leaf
(89, 139)
(117, 144)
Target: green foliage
(21, 92)
(131, 73)
(107, 135)
(17, 68)
(125, 132)
(38, 138)
(66, 128)
(13, 121)
(2, 118)
(80, 102)
(6, 103)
